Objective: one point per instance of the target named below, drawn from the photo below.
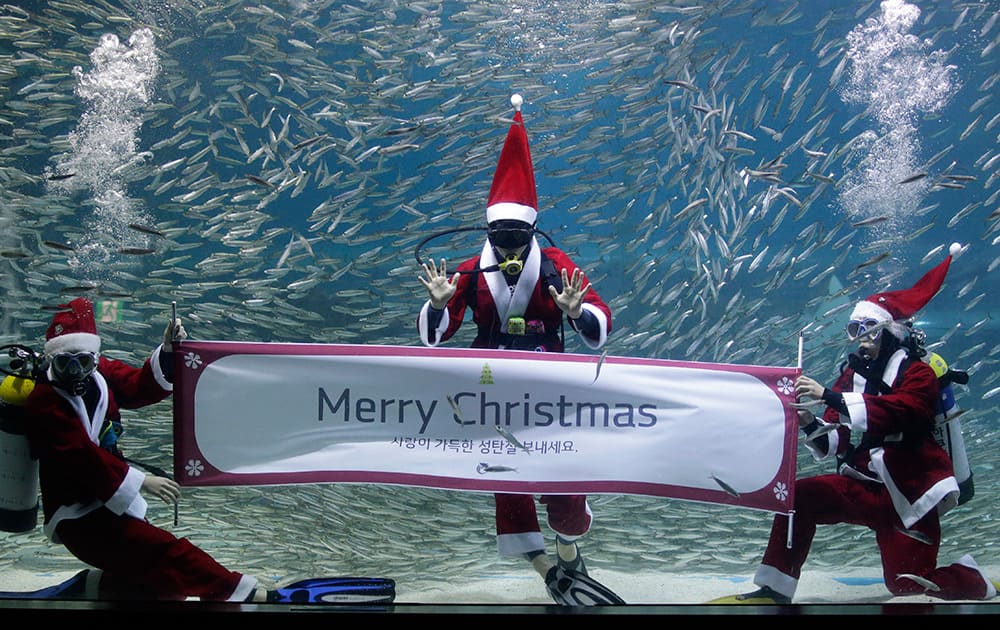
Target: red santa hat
(512, 195)
(893, 307)
(73, 329)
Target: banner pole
(791, 521)
(791, 513)
(801, 336)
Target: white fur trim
(968, 561)
(910, 513)
(67, 512)
(158, 375)
(857, 411)
(73, 342)
(425, 331)
(819, 454)
(243, 589)
(870, 310)
(518, 544)
(510, 210)
(602, 329)
(776, 580)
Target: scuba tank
(18, 469)
(948, 428)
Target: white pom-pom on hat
(955, 250)
(517, 100)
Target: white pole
(791, 513)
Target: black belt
(528, 341)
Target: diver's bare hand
(807, 388)
(174, 332)
(440, 288)
(166, 489)
(570, 300)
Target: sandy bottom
(855, 586)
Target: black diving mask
(510, 237)
(71, 369)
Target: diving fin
(336, 590)
(72, 588)
(573, 588)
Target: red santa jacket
(493, 303)
(897, 447)
(76, 476)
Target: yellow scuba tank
(18, 469)
(948, 428)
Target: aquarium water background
(730, 174)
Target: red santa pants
(833, 498)
(518, 531)
(140, 560)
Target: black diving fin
(573, 588)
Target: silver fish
(145, 229)
(507, 435)
(600, 362)
(823, 429)
(728, 489)
(870, 221)
(807, 404)
(57, 245)
(482, 468)
(455, 409)
(922, 581)
(872, 261)
(915, 535)
(914, 177)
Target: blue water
(400, 111)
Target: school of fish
(730, 174)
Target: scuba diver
(519, 293)
(92, 497)
(896, 481)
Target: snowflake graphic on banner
(192, 360)
(781, 491)
(194, 468)
(785, 385)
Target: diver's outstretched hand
(439, 286)
(570, 300)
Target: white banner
(483, 420)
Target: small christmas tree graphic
(486, 378)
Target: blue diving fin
(336, 590)
(71, 588)
(573, 588)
